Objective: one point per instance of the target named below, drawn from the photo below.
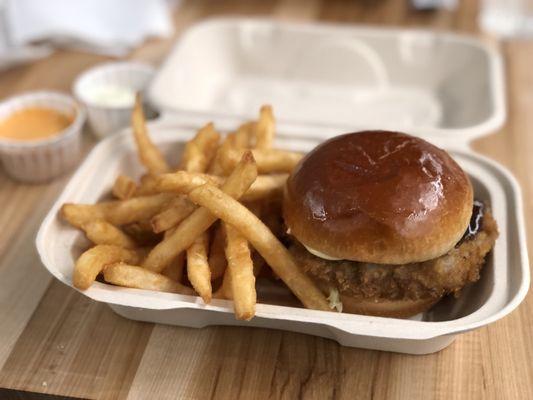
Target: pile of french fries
(198, 228)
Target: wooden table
(54, 340)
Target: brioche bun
(378, 197)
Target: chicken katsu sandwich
(386, 222)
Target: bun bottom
(386, 308)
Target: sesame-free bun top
(379, 197)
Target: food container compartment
(504, 282)
(344, 77)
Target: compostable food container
(443, 87)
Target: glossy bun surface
(379, 197)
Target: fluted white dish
(44, 159)
(106, 119)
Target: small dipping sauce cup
(40, 135)
(108, 92)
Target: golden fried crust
(425, 281)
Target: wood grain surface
(55, 341)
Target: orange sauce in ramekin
(34, 123)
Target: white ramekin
(41, 160)
(105, 120)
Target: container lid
(342, 78)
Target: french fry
(243, 136)
(183, 182)
(217, 256)
(79, 214)
(175, 269)
(200, 220)
(149, 154)
(124, 187)
(265, 186)
(179, 209)
(102, 232)
(132, 276)
(216, 167)
(94, 260)
(276, 255)
(265, 128)
(117, 212)
(241, 274)
(268, 160)
(198, 154)
(177, 182)
(200, 151)
(225, 291)
(198, 268)
(147, 185)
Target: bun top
(379, 197)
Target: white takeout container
(335, 77)
(238, 47)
